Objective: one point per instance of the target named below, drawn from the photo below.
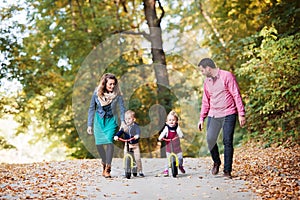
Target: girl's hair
(174, 114)
(103, 81)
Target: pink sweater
(221, 96)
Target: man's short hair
(207, 62)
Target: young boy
(131, 129)
(171, 131)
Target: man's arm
(205, 106)
(235, 92)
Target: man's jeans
(214, 126)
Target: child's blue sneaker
(141, 174)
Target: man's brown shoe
(227, 175)
(215, 169)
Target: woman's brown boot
(104, 167)
(107, 171)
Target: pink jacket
(221, 96)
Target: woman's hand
(89, 130)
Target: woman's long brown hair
(103, 81)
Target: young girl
(102, 116)
(132, 129)
(171, 131)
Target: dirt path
(81, 179)
(197, 183)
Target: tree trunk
(158, 57)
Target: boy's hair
(130, 112)
(173, 113)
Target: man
(222, 104)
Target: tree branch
(162, 11)
(80, 12)
(210, 23)
(144, 34)
(217, 34)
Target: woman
(102, 115)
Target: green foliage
(45, 55)
(273, 95)
(266, 64)
(54, 44)
(5, 145)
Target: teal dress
(105, 127)
(104, 119)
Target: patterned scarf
(107, 98)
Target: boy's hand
(116, 138)
(136, 137)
